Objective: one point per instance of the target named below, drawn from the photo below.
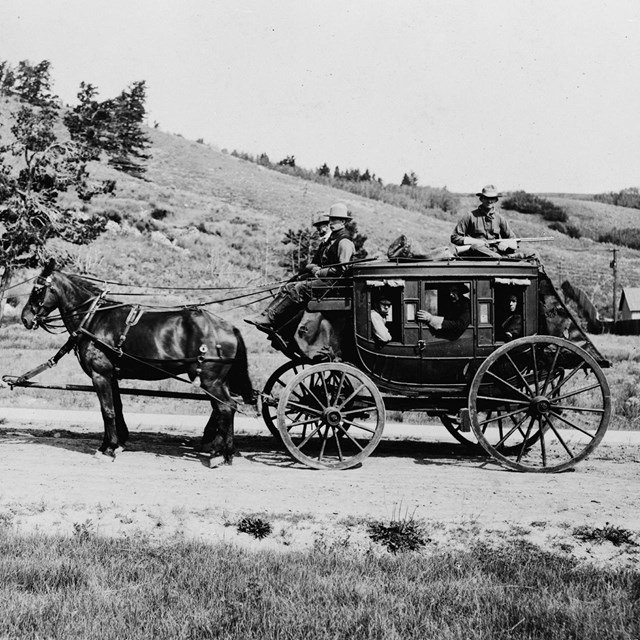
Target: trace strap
(66, 348)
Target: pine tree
(112, 126)
(324, 170)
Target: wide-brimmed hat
(489, 191)
(320, 218)
(460, 286)
(339, 211)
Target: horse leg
(103, 386)
(121, 426)
(218, 432)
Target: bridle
(41, 289)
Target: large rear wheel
(331, 416)
(539, 404)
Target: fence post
(614, 265)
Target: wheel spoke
(595, 385)
(543, 447)
(304, 408)
(507, 384)
(308, 392)
(338, 447)
(368, 407)
(357, 425)
(353, 395)
(560, 438)
(307, 438)
(348, 435)
(566, 379)
(324, 442)
(523, 448)
(300, 423)
(500, 416)
(551, 370)
(522, 378)
(511, 432)
(536, 373)
(505, 400)
(339, 390)
(572, 425)
(565, 407)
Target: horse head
(43, 298)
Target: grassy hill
(228, 216)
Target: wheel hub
(332, 416)
(541, 405)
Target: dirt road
(161, 487)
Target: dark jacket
(456, 319)
(512, 327)
(477, 225)
(330, 253)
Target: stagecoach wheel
(331, 416)
(539, 404)
(453, 424)
(272, 391)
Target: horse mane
(85, 286)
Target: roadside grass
(89, 587)
(609, 533)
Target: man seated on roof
(479, 230)
(456, 317)
(293, 296)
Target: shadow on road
(262, 449)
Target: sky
(540, 95)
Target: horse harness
(132, 319)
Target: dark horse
(115, 340)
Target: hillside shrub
(570, 230)
(365, 184)
(528, 203)
(625, 198)
(160, 214)
(627, 237)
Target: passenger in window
(512, 326)
(379, 315)
(456, 318)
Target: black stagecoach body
(537, 403)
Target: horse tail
(238, 376)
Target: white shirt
(380, 327)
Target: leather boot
(281, 309)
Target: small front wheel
(331, 416)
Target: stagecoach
(538, 403)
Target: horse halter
(40, 290)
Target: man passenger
(456, 318)
(484, 224)
(379, 315)
(293, 296)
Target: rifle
(539, 239)
(487, 243)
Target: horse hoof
(105, 456)
(216, 461)
(117, 450)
